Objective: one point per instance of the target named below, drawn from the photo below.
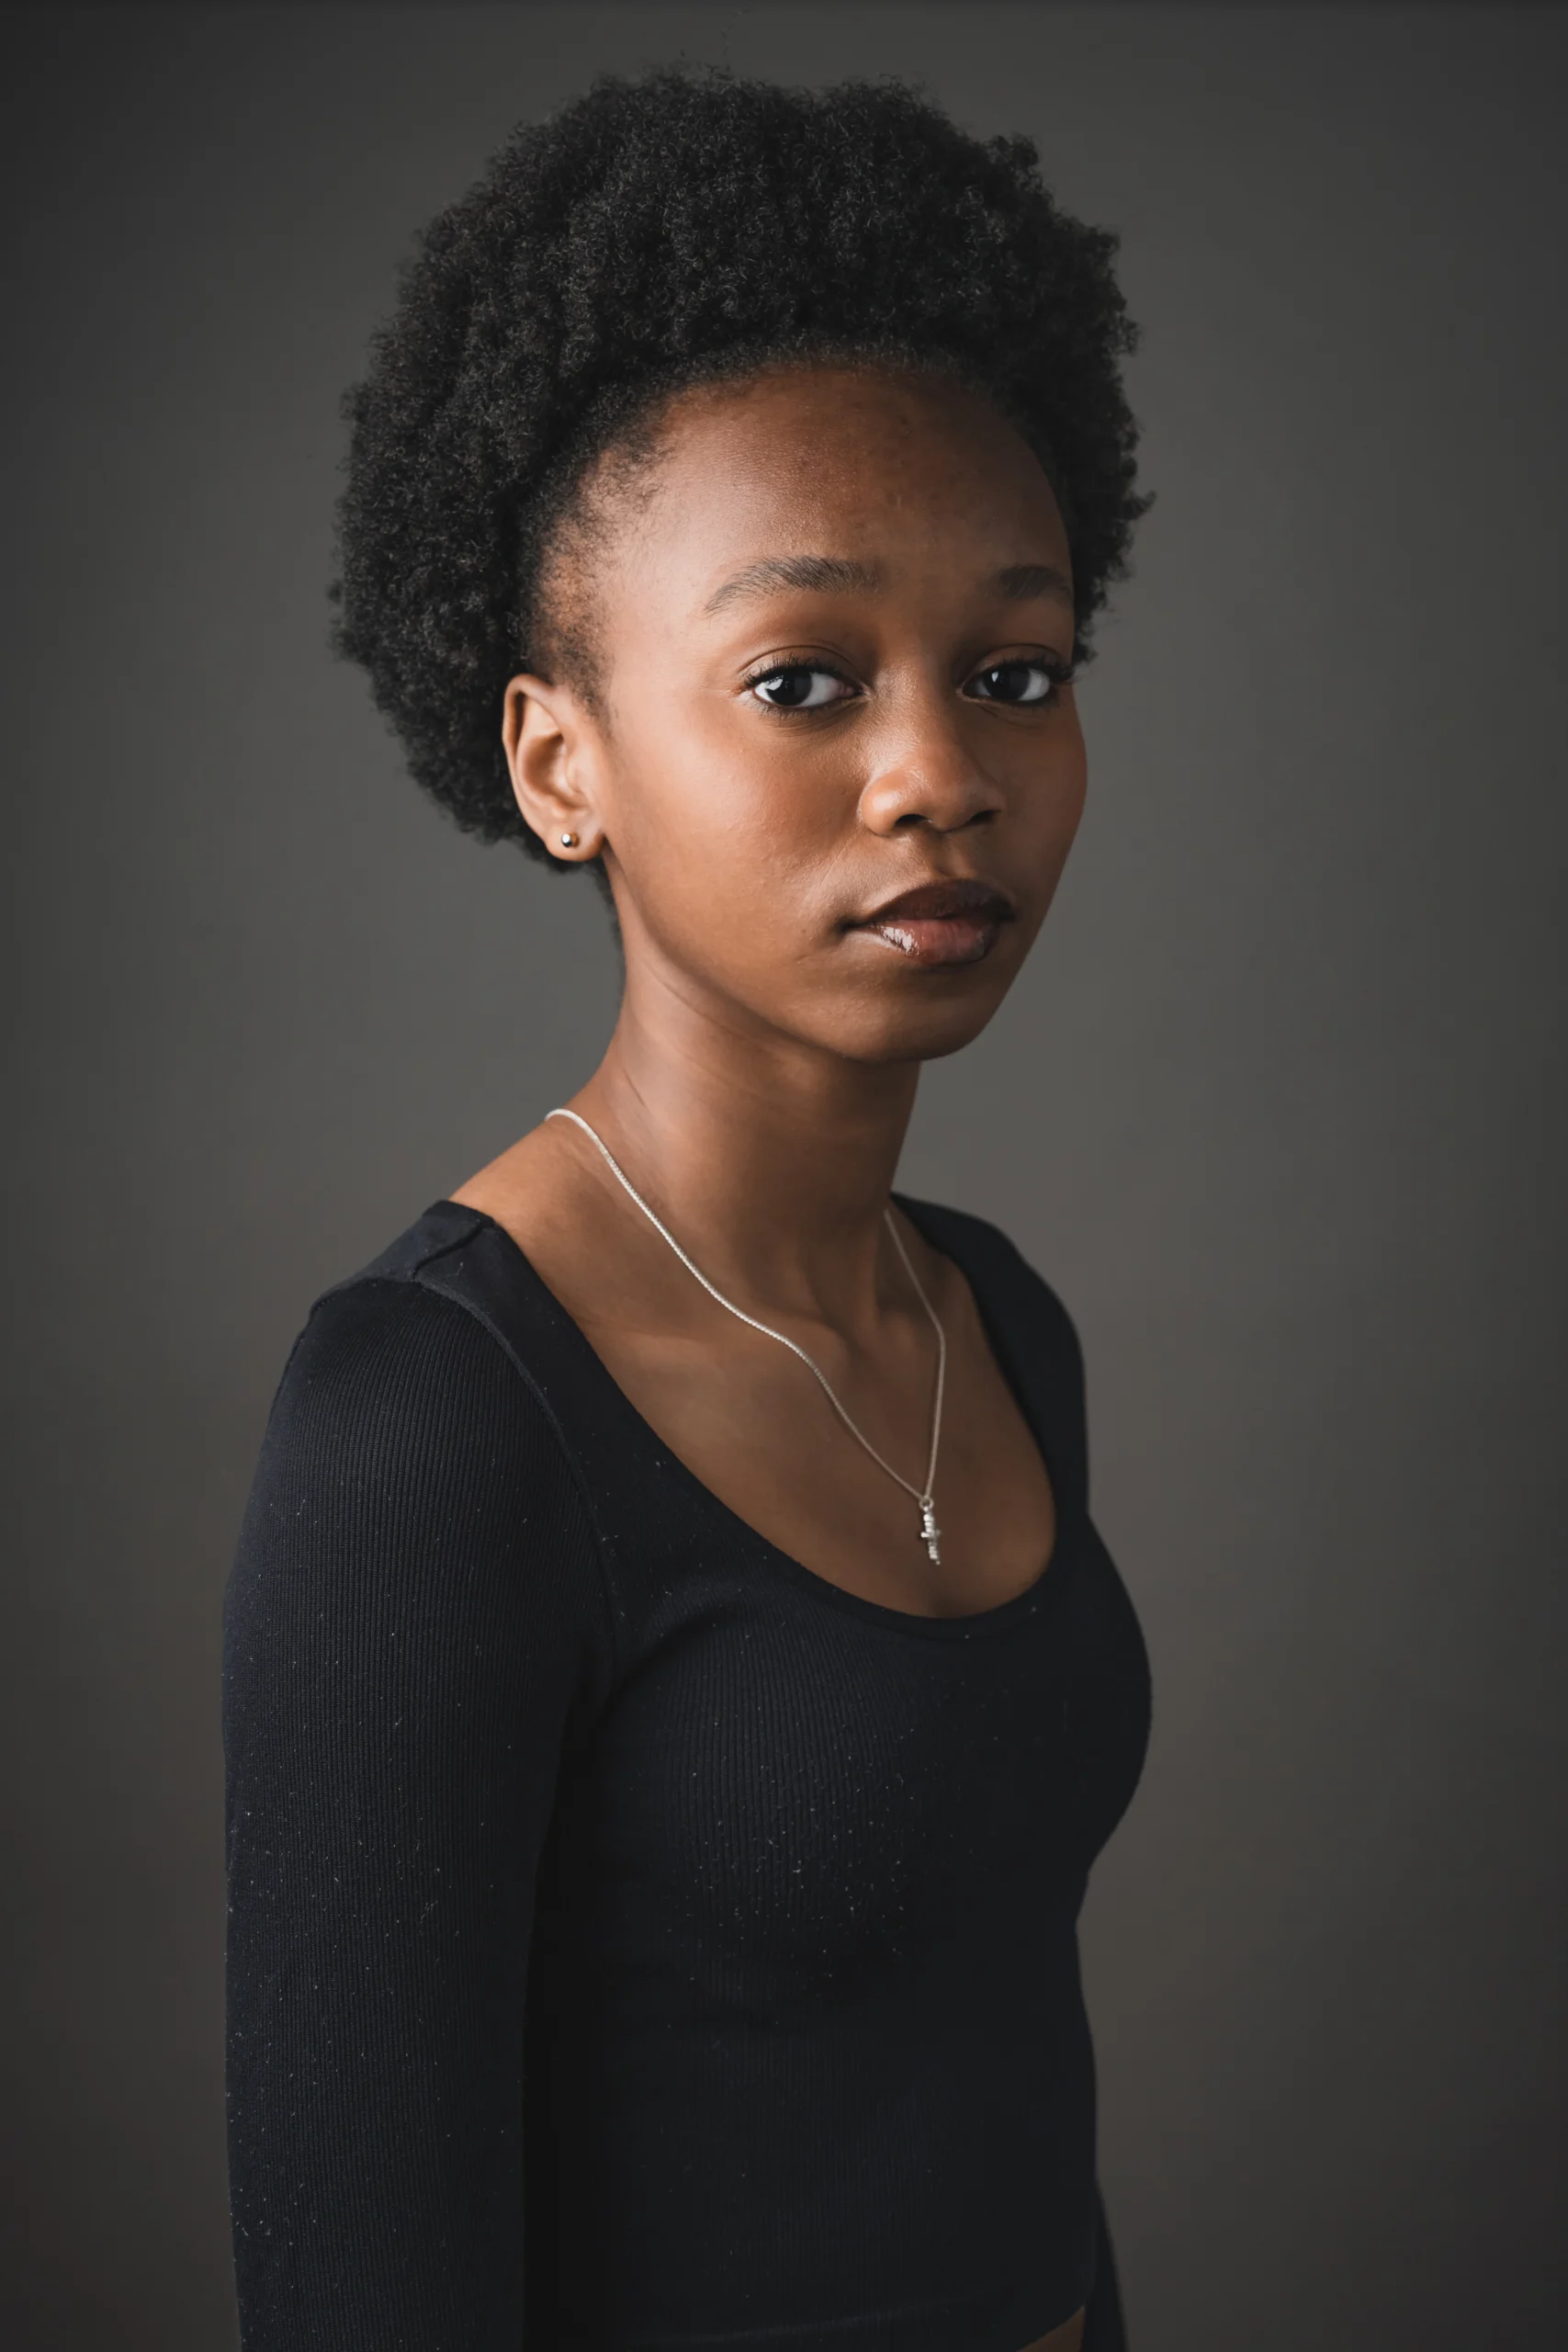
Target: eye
(798, 687)
(1017, 682)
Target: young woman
(676, 1692)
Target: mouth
(940, 922)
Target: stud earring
(569, 840)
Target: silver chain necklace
(931, 1534)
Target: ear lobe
(544, 735)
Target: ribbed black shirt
(636, 1941)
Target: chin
(916, 1029)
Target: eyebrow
(815, 574)
(1020, 584)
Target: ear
(551, 745)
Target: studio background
(1290, 1138)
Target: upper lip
(932, 900)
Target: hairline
(577, 503)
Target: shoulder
(390, 1349)
(413, 1343)
(405, 1428)
(412, 1500)
(381, 1357)
(1010, 1289)
(1030, 1327)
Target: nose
(924, 773)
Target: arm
(413, 1615)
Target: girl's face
(832, 759)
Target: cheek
(1060, 804)
(720, 799)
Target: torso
(748, 1419)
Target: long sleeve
(414, 1614)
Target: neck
(770, 1160)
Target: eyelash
(1060, 673)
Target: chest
(758, 1430)
(791, 1793)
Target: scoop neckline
(1023, 1604)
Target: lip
(940, 924)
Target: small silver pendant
(931, 1531)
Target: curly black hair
(655, 233)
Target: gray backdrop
(1290, 1135)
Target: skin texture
(762, 1070)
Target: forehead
(890, 470)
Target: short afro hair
(653, 235)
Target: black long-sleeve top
(636, 1941)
